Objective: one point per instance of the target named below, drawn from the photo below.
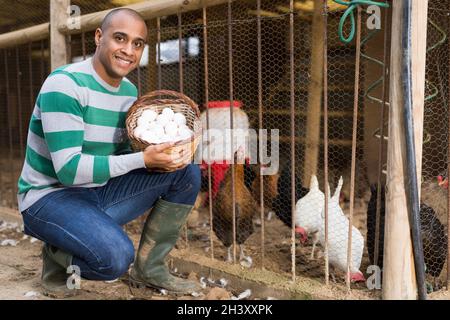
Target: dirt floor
(20, 267)
(20, 261)
(277, 246)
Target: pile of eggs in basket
(168, 126)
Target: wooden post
(399, 281)
(58, 46)
(314, 96)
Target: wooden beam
(308, 6)
(314, 96)
(148, 10)
(58, 46)
(399, 281)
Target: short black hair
(107, 19)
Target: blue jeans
(86, 222)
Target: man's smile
(123, 61)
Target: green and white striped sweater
(77, 134)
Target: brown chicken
(245, 208)
(270, 183)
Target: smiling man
(81, 182)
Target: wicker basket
(178, 102)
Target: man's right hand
(155, 157)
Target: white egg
(153, 124)
(150, 115)
(143, 122)
(162, 119)
(156, 129)
(179, 118)
(165, 138)
(184, 133)
(183, 127)
(168, 113)
(143, 118)
(150, 137)
(171, 129)
(139, 131)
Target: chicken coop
(318, 100)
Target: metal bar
(158, 40)
(325, 134)
(205, 60)
(292, 103)
(230, 72)
(83, 45)
(448, 187)
(180, 77)
(260, 124)
(19, 103)
(180, 53)
(42, 62)
(354, 134)
(3, 187)
(139, 79)
(380, 147)
(8, 109)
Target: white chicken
(308, 211)
(338, 239)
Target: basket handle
(189, 101)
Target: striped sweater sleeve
(63, 128)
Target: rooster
(270, 190)
(245, 208)
(433, 234)
(338, 239)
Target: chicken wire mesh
(275, 242)
(24, 69)
(31, 13)
(266, 235)
(434, 195)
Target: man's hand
(156, 157)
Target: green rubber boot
(160, 233)
(54, 276)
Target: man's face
(120, 46)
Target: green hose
(432, 88)
(352, 5)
